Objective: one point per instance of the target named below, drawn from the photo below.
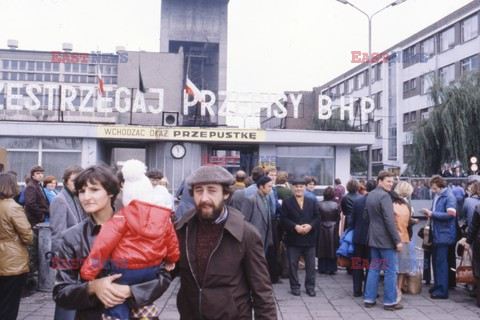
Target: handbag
(465, 273)
(343, 261)
(414, 283)
(427, 237)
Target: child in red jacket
(136, 240)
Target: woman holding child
(97, 188)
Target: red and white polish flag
(192, 90)
(100, 81)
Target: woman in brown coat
(402, 219)
(15, 235)
(328, 237)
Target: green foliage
(332, 124)
(452, 131)
(358, 163)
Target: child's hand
(169, 266)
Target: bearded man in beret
(222, 268)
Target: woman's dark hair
(309, 179)
(69, 172)
(352, 185)
(8, 186)
(98, 174)
(396, 198)
(154, 174)
(328, 194)
(49, 179)
(248, 181)
(282, 177)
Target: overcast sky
(274, 45)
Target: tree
(452, 132)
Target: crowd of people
(229, 238)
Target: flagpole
(131, 107)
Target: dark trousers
(294, 254)
(427, 270)
(440, 271)
(478, 291)
(272, 263)
(10, 294)
(272, 252)
(129, 276)
(361, 252)
(452, 264)
(64, 314)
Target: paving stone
(334, 300)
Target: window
(68, 67)
(350, 84)
(5, 64)
(75, 79)
(470, 64)
(341, 89)
(409, 55)
(378, 75)
(447, 74)
(55, 77)
(359, 81)
(66, 78)
(31, 65)
(424, 114)
(427, 47)
(75, 67)
(83, 79)
(83, 68)
(447, 39)
(426, 82)
(14, 65)
(30, 76)
(48, 77)
(39, 66)
(22, 76)
(4, 75)
(377, 155)
(469, 28)
(413, 116)
(13, 75)
(23, 65)
(38, 77)
(48, 66)
(313, 161)
(409, 85)
(91, 79)
(378, 128)
(56, 67)
(378, 100)
(91, 68)
(406, 118)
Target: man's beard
(209, 217)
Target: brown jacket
(15, 235)
(402, 218)
(236, 278)
(36, 203)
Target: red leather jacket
(139, 236)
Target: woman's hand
(464, 243)
(109, 293)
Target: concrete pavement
(334, 300)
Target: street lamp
(370, 69)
